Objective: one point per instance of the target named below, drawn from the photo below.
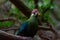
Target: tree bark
(7, 36)
(22, 7)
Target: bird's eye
(34, 13)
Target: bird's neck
(32, 17)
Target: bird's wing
(22, 27)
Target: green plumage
(29, 27)
(33, 21)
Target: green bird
(29, 27)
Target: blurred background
(11, 16)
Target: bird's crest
(35, 12)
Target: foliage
(16, 13)
(5, 24)
(30, 4)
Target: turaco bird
(30, 26)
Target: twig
(43, 28)
(8, 29)
(51, 2)
(7, 19)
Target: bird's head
(35, 12)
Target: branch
(36, 3)
(43, 28)
(9, 29)
(7, 19)
(53, 30)
(7, 36)
(20, 5)
(48, 6)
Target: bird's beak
(38, 14)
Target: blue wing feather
(22, 27)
